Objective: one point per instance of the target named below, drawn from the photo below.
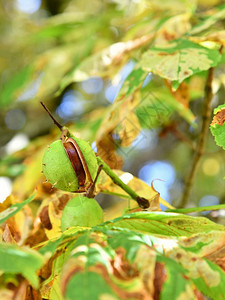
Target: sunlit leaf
(175, 5)
(99, 63)
(89, 285)
(12, 210)
(207, 276)
(17, 260)
(175, 285)
(173, 28)
(216, 14)
(179, 59)
(165, 223)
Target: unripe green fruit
(57, 166)
(81, 211)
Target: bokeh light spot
(146, 140)
(207, 201)
(148, 78)
(72, 105)
(15, 119)
(94, 146)
(92, 85)
(159, 170)
(19, 141)
(126, 177)
(28, 6)
(5, 188)
(114, 87)
(211, 167)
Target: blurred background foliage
(76, 57)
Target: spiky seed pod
(81, 211)
(70, 165)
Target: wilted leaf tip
(219, 118)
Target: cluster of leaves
(141, 255)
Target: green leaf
(12, 210)
(13, 88)
(18, 260)
(167, 224)
(157, 106)
(176, 286)
(133, 82)
(179, 60)
(218, 13)
(212, 281)
(94, 254)
(89, 285)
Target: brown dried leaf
(173, 28)
(121, 266)
(8, 235)
(44, 217)
(159, 279)
(121, 121)
(146, 262)
(37, 235)
(106, 150)
(50, 212)
(219, 118)
(6, 294)
(181, 94)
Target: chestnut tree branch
(142, 202)
(202, 138)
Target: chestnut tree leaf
(12, 210)
(216, 14)
(168, 224)
(176, 284)
(179, 60)
(18, 260)
(207, 276)
(107, 253)
(99, 63)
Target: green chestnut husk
(81, 211)
(57, 167)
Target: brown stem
(51, 116)
(202, 138)
(91, 190)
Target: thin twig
(202, 138)
(51, 116)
